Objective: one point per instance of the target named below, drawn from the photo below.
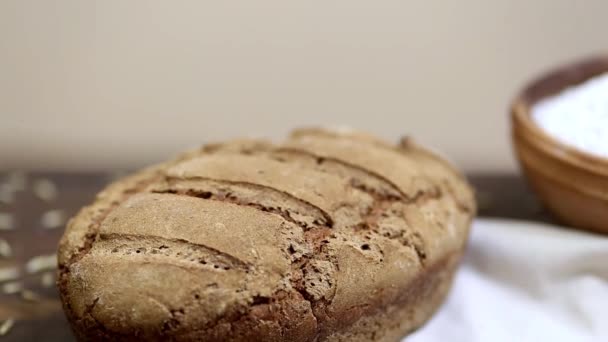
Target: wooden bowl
(571, 183)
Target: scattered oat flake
(12, 287)
(10, 273)
(5, 249)
(17, 180)
(29, 295)
(7, 222)
(52, 219)
(6, 326)
(45, 189)
(47, 279)
(41, 263)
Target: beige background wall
(105, 84)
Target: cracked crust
(330, 236)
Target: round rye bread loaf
(329, 236)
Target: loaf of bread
(329, 236)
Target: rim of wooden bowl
(552, 83)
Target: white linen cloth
(525, 281)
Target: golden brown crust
(329, 236)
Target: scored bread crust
(329, 236)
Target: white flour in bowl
(578, 116)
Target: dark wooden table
(34, 207)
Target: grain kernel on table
(52, 219)
(47, 279)
(17, 181)
(5, 249)
(29, 295)
(6, 326)
(12, 287)
(41, 263)
(44, 189)
(9, 273)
